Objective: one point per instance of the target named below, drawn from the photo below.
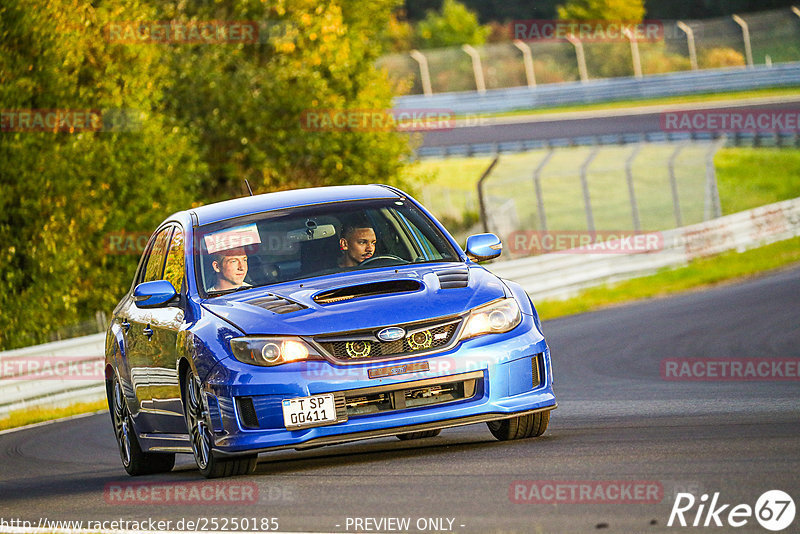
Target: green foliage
(207, 116)
(397, 35)
(248, 101)
(454, 25)
(715, 58)
(611, 10)
(63, 192)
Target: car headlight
(493, 318)
(269, 351)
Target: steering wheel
(391, 257)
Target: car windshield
(283, 245)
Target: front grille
(364, 345)
(382, 399)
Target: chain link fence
(584, 190)
(761, 38)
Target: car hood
(426, 292)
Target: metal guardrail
(563, 274)
(52, 374)
(546, 276)
(739, 139)
(603, 90)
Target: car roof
(288, 199)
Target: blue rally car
(314, 317)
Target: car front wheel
(210, 465)
(524, 426)
(135, 461)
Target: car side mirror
(481, 247)
(155, 294)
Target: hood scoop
(367, 290)
(453, 278)
(277, 304)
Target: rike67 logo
(774, 510)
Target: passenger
(230, 267)
(357, 244)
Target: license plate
(304, 412)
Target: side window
(173, 271)
(155, 262)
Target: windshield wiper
(218, 292)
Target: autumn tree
(611, 10)
(64, 191)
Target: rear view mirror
(310, 232)
(155, 294)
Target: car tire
(135, 461)
(524, 426)
(199, 427)
(418, 435)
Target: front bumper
(488, 378)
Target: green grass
(661, 101)
(751, 177)
(700, 273)
(37, 415)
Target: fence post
(637, 60)
(713, 209)
(537, 187)
(587, 201)
(527, 60)
(637, 225)
(424, 72)
(580, 56)
(481, 201)
(690, 43)
(748, 51)
(477, 69)
(673, 183)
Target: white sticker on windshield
(238, 236)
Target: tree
(611, 10)
(248, 101)
(455, 25)
(64, 192)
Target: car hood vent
(277, 304)
(452, 278)
(367, 290)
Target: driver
(230, 267)
(357, 244)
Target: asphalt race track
(572, 125)
(617, 420)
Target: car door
(140, 337)
(164, 394)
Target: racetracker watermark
(438, 366)
(182, 32)
(527, 242)
(730, 369)
(731, 121)
(377, 120)
(70, 120)
(52, 368)
(598, 31)
(586, 492)
(181, 493)
(123, 243)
